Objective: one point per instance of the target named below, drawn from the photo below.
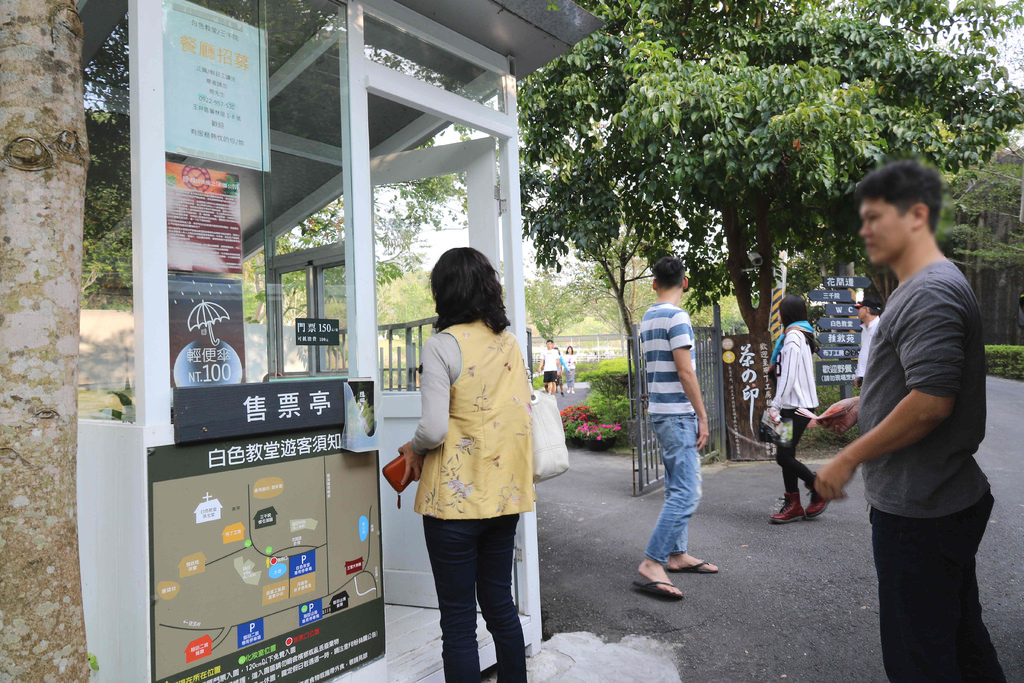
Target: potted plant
(600, 437)
(574, 418)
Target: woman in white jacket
(794, 390)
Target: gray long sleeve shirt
(442, 365)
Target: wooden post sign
(746, 364)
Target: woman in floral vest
(472, 456)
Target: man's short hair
(669, 272)
(550, 341)
(903, 184)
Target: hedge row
(1005, 361)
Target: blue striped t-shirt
(663, 329)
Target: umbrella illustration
(206, 314)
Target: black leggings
(785, 456)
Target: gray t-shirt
(930, 340)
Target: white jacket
(795, 387)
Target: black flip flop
(693, 569)
(651, 588)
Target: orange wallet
(394, 471)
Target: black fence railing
(648, 470)
(399, 355)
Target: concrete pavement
(795, 602)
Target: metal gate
(648, 471)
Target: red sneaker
(816, 506)
(791, 510)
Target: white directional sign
(832, 352)
(833, 296)
(830, 338)
(856, 282)
(839, 324)
(835, 372)
(840, 309)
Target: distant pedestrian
(868, 311)
(680, 422)
(570, 373)
(922, 417)
(549, 366)
(563, 372)
(794, 391)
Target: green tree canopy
(989, 230)
(743, 126)
(553, 306)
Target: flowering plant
(599, 432)
(576, 417)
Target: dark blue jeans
(472, 561)
(929, 611)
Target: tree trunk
(757, 318)
(43, 160)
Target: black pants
(929, 611)
(785, 456)
(472, 562)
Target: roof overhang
(525, 30)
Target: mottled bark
(757, 318)
(43, 160)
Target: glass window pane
(305, 228)
(413, 56)
(254, 108)
(106, 351)
(425, 198)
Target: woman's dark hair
(793, 309)
(569, 348)
(466, 288)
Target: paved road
(795, 602)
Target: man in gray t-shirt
(921, 414)
(929, 340)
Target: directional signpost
(840, 335)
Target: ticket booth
(259, 167)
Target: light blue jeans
(678, 437)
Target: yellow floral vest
(484, 467)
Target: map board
(265, 558)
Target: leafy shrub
(609, 390)
(584, 368)
(1005, 361)
(610, 407)
(614, 370)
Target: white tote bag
(550, 454)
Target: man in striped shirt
(680, 422)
